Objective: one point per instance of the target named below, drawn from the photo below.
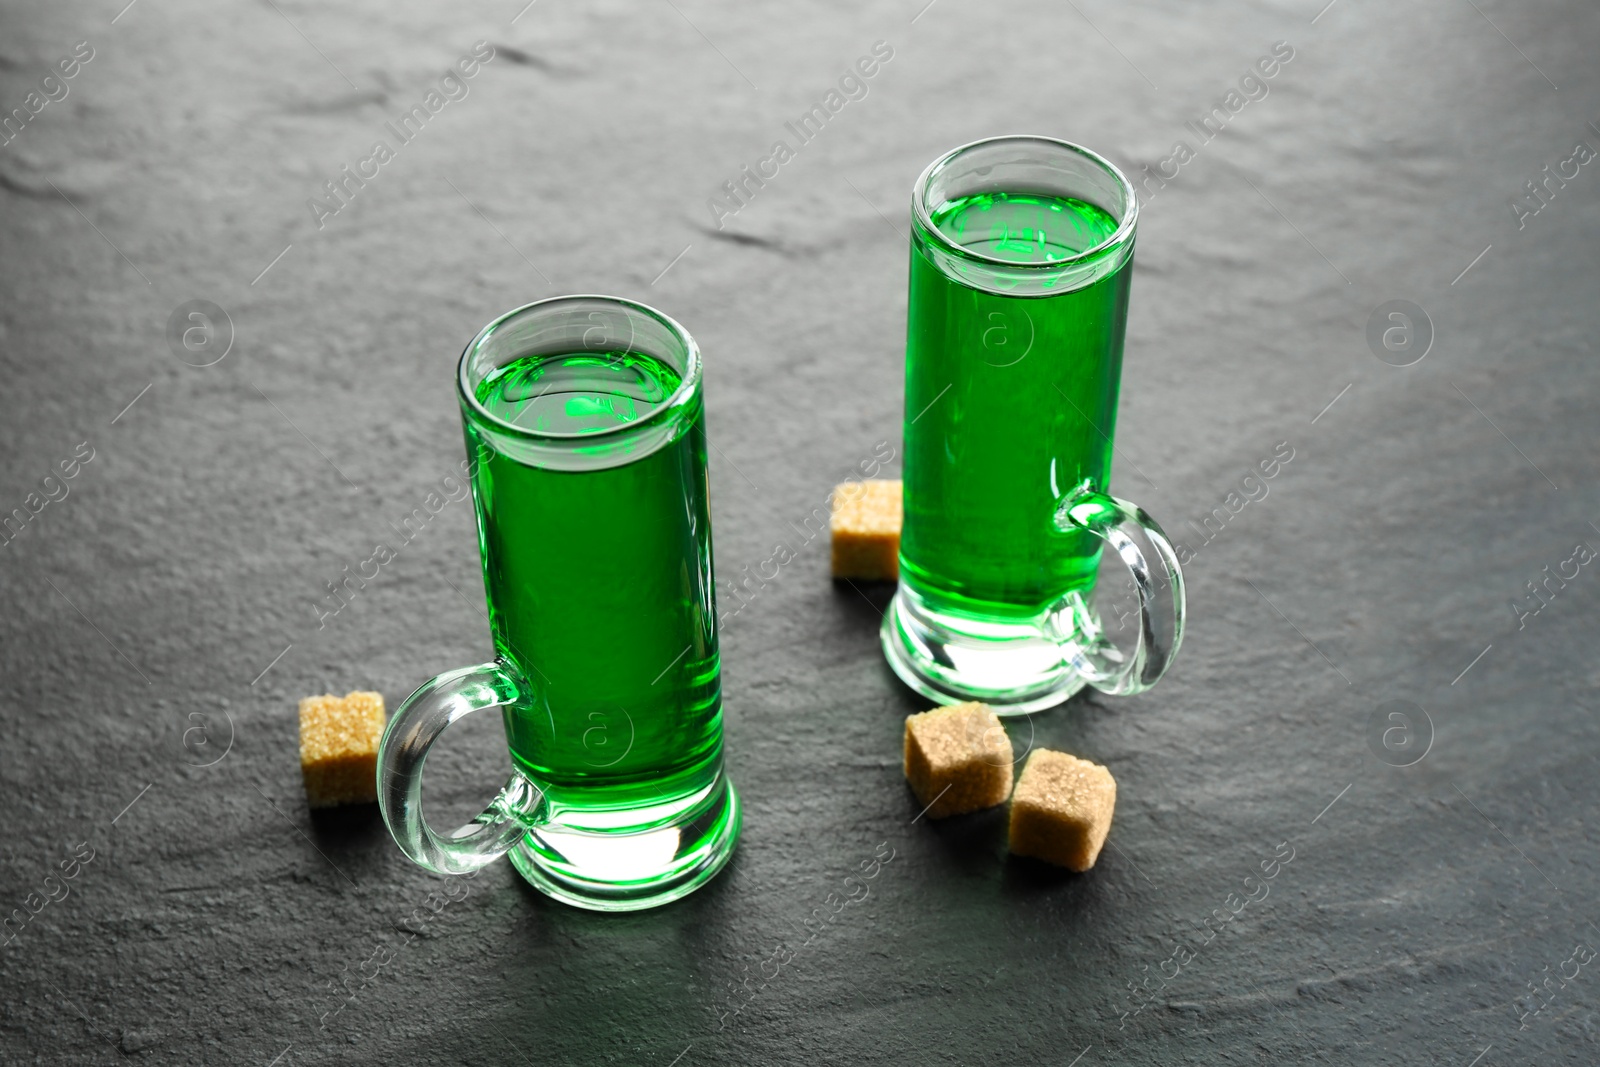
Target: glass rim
(1120, 236)
(666, 410)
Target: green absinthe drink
(1021, 257)
(1028, 405)
(585, 429)
(599, 584)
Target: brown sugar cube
(339, 748)
(866, 530)
(958, 759)
(1061, 811)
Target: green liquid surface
(600, 587)
(1011, 403)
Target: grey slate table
(172, 585)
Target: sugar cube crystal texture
(1061, 810)
(866, 530)
(958, 759)
(339, 739)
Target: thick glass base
(1014, 667)
(633, 860)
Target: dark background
(175, 586)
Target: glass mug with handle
(586, 436)
(1021, 258)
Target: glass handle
(416, 725)
(1144, 548)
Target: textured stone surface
(164, 614)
